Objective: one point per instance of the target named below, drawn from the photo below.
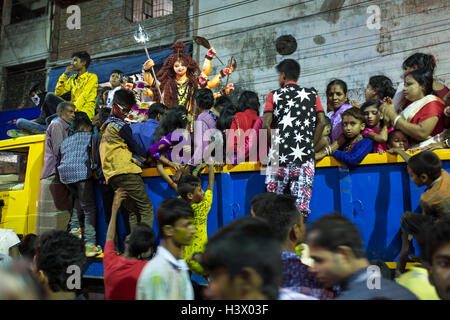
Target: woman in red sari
(425, 63)
(422, 118)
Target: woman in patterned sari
(337, 102)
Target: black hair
(187, 184)
(326, 121)
(80, 120)
(204, 98)
(170, 210)
(103, 114)
(120, 73)
(436, 234)
(125, 98)
(391, 134)
(84, 57)
(174, 119)
(62, 106)
(34, 87)
(56, 252)
(422, 61)
(246, 242)
(226, 118)
(222, 103)
(374, 102)
(424, 79)
(337, 82)
(334, 230)
(290, 68)
(354, 112)
(259, 201)
(28, 246)
(248, 100)
(281, 213)
(383, 86)
(156, 109)
(426, 162)
(142, 238)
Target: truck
(373, 196)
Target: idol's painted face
(179, 68)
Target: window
(13, 168)
(22, 10)
(19, 79)
(138, 10)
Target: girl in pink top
(376, 128)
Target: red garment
(269, 101)
(431, 109)
(441, 94)
(244, 121)
(120, 274)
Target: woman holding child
(422, 118)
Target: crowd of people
(174, 120)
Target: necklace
(182, 90)
(350, 146)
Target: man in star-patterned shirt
(292, 112)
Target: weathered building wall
(25, 42)
(105, 31)
(24, 47)
(333, 39)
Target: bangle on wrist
(208, 57)
(172, 183)
(447, 143)
(395, 120)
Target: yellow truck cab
(21, 161)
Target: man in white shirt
(116, 78)
(166, 276)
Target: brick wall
(104, 29)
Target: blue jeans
(34, 127)
(48, 113)
(30, 126)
